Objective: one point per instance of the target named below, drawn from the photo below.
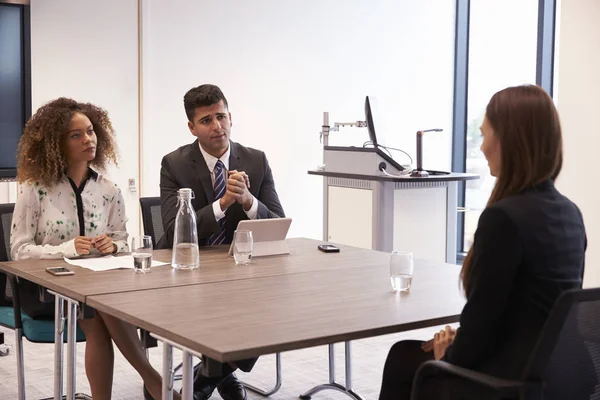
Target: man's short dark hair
(202, 96)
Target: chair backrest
(567, 356)
(6, 213)
(152, 218)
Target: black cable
(402, 151)
(387, 149)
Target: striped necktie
(219, 188)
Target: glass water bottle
(185, 243)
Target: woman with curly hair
(67, 208)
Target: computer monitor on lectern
(371, 115)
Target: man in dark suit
(231, 183)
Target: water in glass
(141, 250)
(242, 247)
(401, 270)
(401, 282)
(142, 262)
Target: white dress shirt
(211, 161)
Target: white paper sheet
(106, 263)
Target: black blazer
(186, 168)
(528, 249)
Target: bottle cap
(185, 192)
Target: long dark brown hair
(526, 123)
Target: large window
(502, 53)
(497, 44)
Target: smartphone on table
(59, 271)
(328, 248)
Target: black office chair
(11, 316)
(6, 212)
(152, 219)
(5, 292)
(153, 226)
(565, 364)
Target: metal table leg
(267, 393)
(59, 324)
(187, 376)
(332, 385)
(188, 369)
(59, 327)
(71, 349)
(167, 369)
(348, 357)
(177, 377)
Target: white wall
(281, 64)
(88, 50)
(578, 87)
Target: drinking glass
(141, 249)
(401, 270)
(242, 247)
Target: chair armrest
(465, 379)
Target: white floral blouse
(46, 221)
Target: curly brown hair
(41, 156)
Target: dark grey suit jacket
(186, 168)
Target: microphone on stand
(419, 172)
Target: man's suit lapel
(201, 172)
(233, 211)
(234, 158)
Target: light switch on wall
(132, 186)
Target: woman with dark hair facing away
(529, 247)
(65, 207)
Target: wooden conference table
(275, 304)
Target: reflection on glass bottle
(185, 243)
